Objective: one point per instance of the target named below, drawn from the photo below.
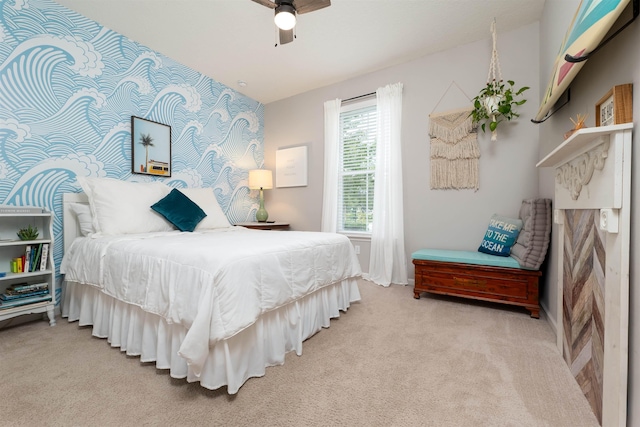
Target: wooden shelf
(580, 142)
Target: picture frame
(616, 106)
(150, 147)
(291, 167)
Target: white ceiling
(232, 40)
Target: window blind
(356, 181)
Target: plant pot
(491, 104)
(495, 103)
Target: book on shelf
(12, 296)
(44, 256)
(27, 258)
(24, 301)
(8, 209)
(25, 288)
(16, 265)
(35, 264)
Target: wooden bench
(509, 279)
(505, 285)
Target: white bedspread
(213, 283)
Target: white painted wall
(450, 219)
(617, 63)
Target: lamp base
(261, 214)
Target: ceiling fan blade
(286, 36)
(305, 6)
(267, 3)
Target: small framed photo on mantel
(616, 106)
(150, 147)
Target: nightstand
(265, 225)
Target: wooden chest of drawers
(497, 284)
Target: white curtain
(388, 263)
(331, 162)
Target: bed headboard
(70, 224)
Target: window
(357, 167)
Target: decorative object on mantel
(616, 106)
(578, 123)
(454, 150)
(496, 100)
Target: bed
(215, 305)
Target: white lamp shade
(285, 18)
(260, 178)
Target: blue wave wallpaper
(68, 89)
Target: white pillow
(124, 207)
(83, 213)
(206, 199)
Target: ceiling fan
(286, 11)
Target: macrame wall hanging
(454, 148)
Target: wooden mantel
(579, 142)
(593, 172)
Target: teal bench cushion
(465, 257)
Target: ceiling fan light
(285, 18)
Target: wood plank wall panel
(583, 302)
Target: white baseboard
(411, 282)
(550, 320)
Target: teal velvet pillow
(179, 210)
(500, 236)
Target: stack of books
(24, 293)
(34, 259)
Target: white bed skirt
(230, 362)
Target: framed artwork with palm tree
(150, 147)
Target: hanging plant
(496, 100)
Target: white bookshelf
(12, 247)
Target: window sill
(356, 235)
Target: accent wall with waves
(68, 89)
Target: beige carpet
(390, 360)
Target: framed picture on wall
(150, 147)
(291, 167)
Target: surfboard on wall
(592, 21)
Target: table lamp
(261, 179)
